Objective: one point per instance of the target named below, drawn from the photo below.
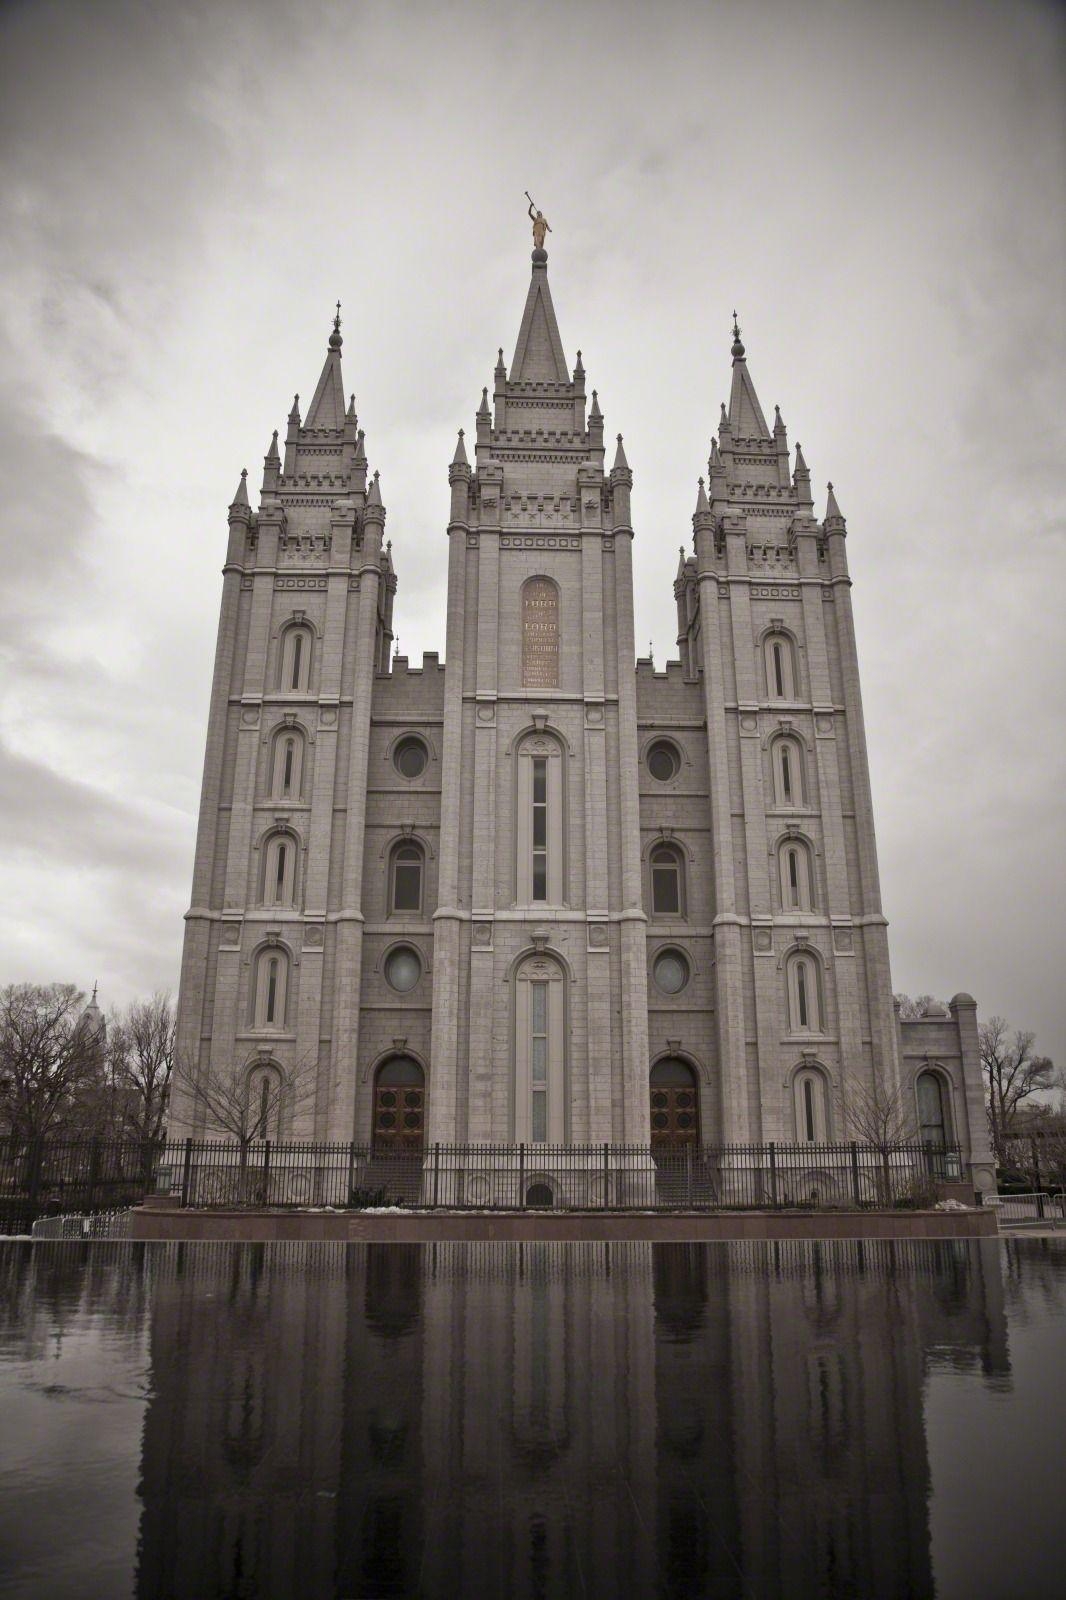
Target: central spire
(327, 405)
(538, 355)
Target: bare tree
(51, 1061)
(1012, 1073)
(922, 1005)
(140, 1049)
(245, 1099)
(880, 1116)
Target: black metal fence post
(522, 1177)
(436, 1174)
(266, 1172)
(773, 1174)
(186, 1174)
(855, 1189)
(606, 1175)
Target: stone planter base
(414, 1227)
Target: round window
(663, 760)
(402, 969)
(409, 758)
(670, 971)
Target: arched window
(789, 787)
(675, 1103)
(279, 869)
(287, 764)
(540, 634)
(804, 983)
(540, 833)
(270, 988)
(405, 878)
(264, 1101)
(667, 881)
(399, 1105)
(810, 1100)
(780, 667)
(934, 1122)
(540, 1046)
(296, 647)
(794, 862)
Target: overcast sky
(877, 188)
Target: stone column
(347, 981)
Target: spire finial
(93, 1000)
(738, 348)
(335, 340)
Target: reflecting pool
(859, 1419)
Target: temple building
(546, 893)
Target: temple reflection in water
(551, 1419)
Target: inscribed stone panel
(540, 634)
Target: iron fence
(48, 1177)
(89, 1175)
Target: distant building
(550, 893)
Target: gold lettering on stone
(540, 634)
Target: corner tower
(802, 993)
(271, 966)
(540, 992)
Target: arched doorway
(399, 1106)
(540, 1194)
(675, 1103)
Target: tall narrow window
(270, 989)
(810, 1103)
(667, 882)
(279, 870)
(540, 634)
(780, 667)
(539, 833)
(286, 767)
(540, 1049)
(933, 1122)
(795, 860)
(540, 828)
(406, 878)
(787, 760)
(296, 659)
(539, 1059)
(264, 1102)
(804, 994)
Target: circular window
(670, 971)
(663, 761)
(402, 969)
(409, 758)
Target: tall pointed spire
(327, 409)
(832, 510)
(538, 355)
(620, 462)
(241, 497)
(459, 459)
(745, 413)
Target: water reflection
(535, 1420)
